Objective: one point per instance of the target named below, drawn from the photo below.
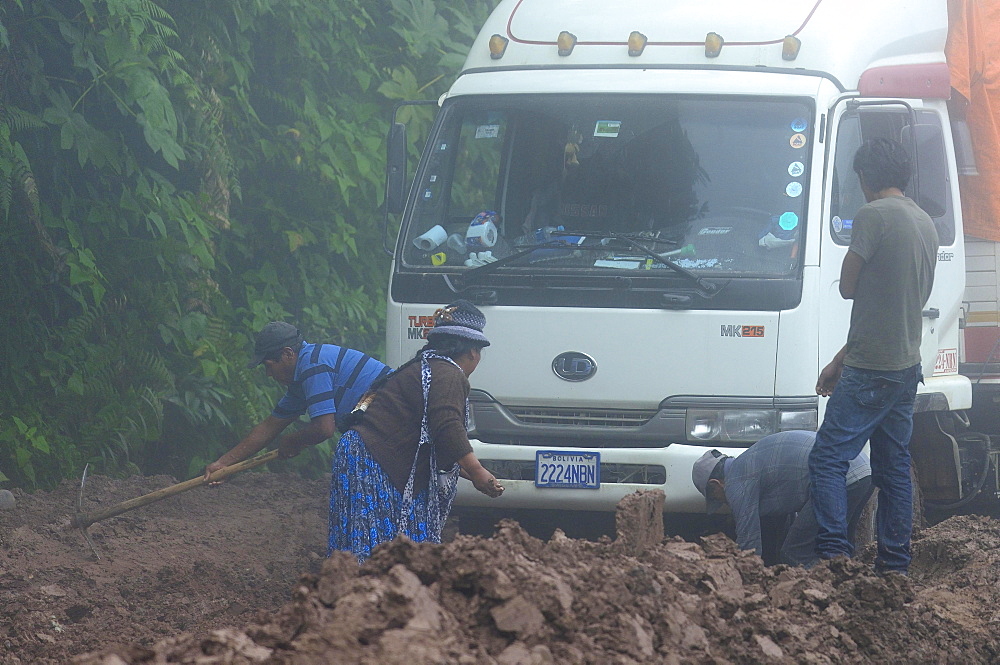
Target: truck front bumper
(623, 471)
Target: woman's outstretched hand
(486, 482)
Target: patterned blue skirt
(365, 507)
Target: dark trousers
(791, 538)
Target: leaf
(295, 240)
(75, 383)
(40, 443)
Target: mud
(213, 576)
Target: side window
(847, 196)
(929, 186)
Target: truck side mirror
(930, 172)
(395, 169)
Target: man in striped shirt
(324, 381)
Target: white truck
(651, 202)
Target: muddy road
(236, 574)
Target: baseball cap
(702, 472)
(272, 338)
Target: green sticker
(608, 128)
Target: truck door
(921, 132)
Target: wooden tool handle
(83, 520)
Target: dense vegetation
(173, 175)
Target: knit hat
(272, 338)
(461, 319)
(702, 472)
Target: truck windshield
(717, 185)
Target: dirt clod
(7, 500)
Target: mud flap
(935, 454)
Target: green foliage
(173, 175)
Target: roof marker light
(498, 46)
(790, 47)
(636, 43)
(713, 44)
(566, 42)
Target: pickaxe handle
(83, 520)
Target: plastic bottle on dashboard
(544, 234)
(537, 237)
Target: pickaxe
(82, 520)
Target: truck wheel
(865, 531)
(919, 522)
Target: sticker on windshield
(795, 169)
(799, 125)
(794, 189)
(715, 230)
(797, 141)
(487, 131)
(837, 223)
(608, 129)
(617, 263)
(788, 220)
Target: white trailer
(668, 197)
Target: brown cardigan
(391, 425)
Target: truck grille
(534, 415)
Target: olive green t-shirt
(899, 244)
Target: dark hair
(882, 163)
(275, 356)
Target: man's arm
(850, 272)
(318, 430)
(744, 501)
(831, 373)
(252, 443)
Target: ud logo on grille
(574, 366)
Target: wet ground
(235, 574)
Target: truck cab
(652, 207)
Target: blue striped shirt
(328, 379)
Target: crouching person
(771, 480)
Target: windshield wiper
(708, 289)
(466, 278)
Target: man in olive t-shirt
(872, 382)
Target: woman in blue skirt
(396, 470)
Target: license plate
(568, 470)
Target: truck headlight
(472, 420)
(744, 425)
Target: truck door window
(931, 171)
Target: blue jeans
(799, 546)
(876, 406)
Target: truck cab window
(720, 183)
